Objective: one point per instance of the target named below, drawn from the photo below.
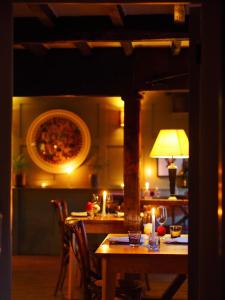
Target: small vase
(94, 180)
(20, 180)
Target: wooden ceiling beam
(176, 47)
(103, 2)
(36, 49)
(84, 48)
(44, 14)
(117, 15)
(127, 47)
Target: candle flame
(147, 185)
(153, 211)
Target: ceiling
(99, 47)
(86, 25)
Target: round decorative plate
(58, 141)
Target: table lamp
(171, 144)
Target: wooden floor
(34, 278)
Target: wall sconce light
(69, 169)
(179, 13)
(44, 184)
(121, 118)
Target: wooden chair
(91, 281)
(61, 209)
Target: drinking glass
(175, 231)
(109, 203)
(161, 215)
(134, 237)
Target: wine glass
(161, 215)
(109, 203)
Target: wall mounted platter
(58, 140)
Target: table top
(100, 218)
(165, 249)
(166, 202)
(102, 224)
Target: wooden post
(193, 190)
(206, 244)
(5, 146)
(132, 142)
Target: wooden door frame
(6, 25)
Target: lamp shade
(171, 143)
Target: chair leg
(147, 282)
(172, 289)
(61, 276)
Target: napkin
(178, 240)
(119, 240)
(122, 240)
(79, 214)
(120, 214)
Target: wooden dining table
(103, 224)
(170, 258)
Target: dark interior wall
(35, 225)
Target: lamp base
(172, 169)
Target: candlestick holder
(154, 242)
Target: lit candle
(146, 191)
(104, 202)
(147, 185)
(153, 222)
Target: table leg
(108, 280)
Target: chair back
(79, 243)
(62, 209)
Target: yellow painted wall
(101, 114)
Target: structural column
(5, 146)
(132, 145)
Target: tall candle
(153, 222)
(104, 202)
(147, 185)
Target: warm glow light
(148, 172)
(147, 185)
(179, 13)
(105, 248)
(122, 118)
(44, 184)
(122, 185)
(220, 212)
(69, 169)
(171, 143)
